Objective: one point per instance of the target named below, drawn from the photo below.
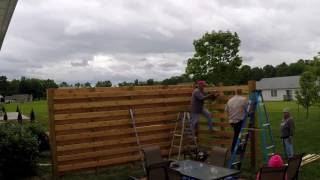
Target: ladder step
(269, 147)
(252, 129)
(179, 135)
(266, 124)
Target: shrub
(19, 151)
(42, 137)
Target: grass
(306, 139)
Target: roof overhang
(6, 11)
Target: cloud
(121, 40)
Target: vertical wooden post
(52, 134)
(254, 144)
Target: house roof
(6, 10)
(288, 82)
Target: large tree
(216, 58)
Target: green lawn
(306, 139)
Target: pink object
(275, 161)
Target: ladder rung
(244, 134)
(266, 124)
(252, 129)
(179, 135)
(269, 147)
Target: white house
(279, 88)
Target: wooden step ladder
(183, 137)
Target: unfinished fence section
(91, 128)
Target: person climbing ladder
(197, 102)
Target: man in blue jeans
(286, 133)
(197, 102)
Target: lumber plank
(170, 117)
(113, 132)
(97, 94)
(111, 142)
(70, 106)
(105, 114)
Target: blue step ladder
(256, 105)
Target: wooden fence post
(52, 134)
(254, 144)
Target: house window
(273, 93)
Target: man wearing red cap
(197, 102)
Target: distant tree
(17, 109)
(216, 58)
(125, 84)
(282, 70)
(256, 73)
(269, 71)
(136, 82)
(5, 116)
(150, 82)
(19, 118)
(244, 74)
(176, 80)
(77, 84)
(4, 85)
(64, 84)
(104, 84)
(307, 94)
(32, 116)
(297, 68)
(87, 85)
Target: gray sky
(123, 40)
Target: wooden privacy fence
(91, 128)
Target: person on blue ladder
(197, 102)
(236, 110)
(286, 133)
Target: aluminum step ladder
(133, 123)
(183, 137)
(256, 104)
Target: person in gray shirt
(197, 102)
(286, 133)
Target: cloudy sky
(123, 40)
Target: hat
(275, 161)
(201, 82)
(285, 110)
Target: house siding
(280, 94)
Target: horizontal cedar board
(119, 103)
(108, 152)
(103, 162)
(216, 133)
(216, 124)
(166, 141)
(219, 115)
(125, 107)
(98, 94)
(111, 142)
(113, 132)
(105, 114)
(98, 163)
(221, 141)
(60, 92)
(219, 107)
(118, 122)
